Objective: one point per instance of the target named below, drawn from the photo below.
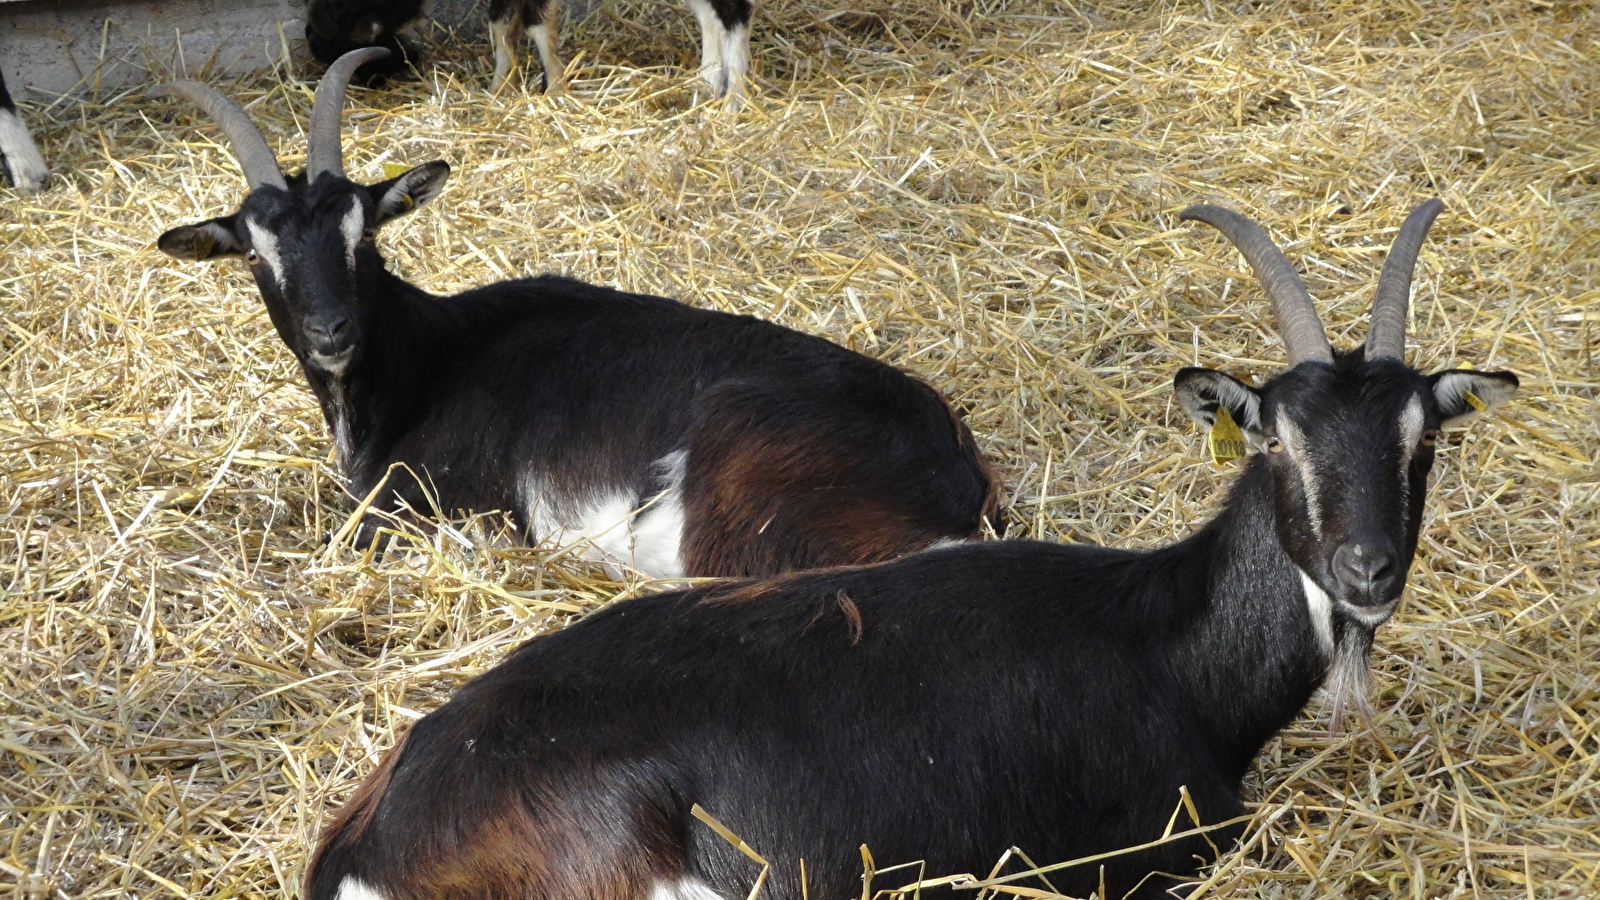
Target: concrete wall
(83, 47)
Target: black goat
(951, 704)
(18, 154)
(335, 27)
(673, 440)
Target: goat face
(1350, 444)
(311, 248)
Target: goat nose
(1364, 561)
(327, 329)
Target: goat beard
(1349, 680)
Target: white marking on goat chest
(351, 226)
(612, 528)
(353, 888)
(1320, 606)
(265, 244)
(21, 155)
(1295, 440)
(687, 888)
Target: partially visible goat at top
(952, 704)
(668, 439)
(335, 27)
(18, 154)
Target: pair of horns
(1291, 304)
(324, 148)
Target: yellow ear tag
(1226, 441)
(1474, 401)
(395, 170)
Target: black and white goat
(668, 439)
(724, 42)
(948, 705)
(19, 156)
(335, 27)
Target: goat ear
(1201, 391)
(408, 190)
(208, 240)
(1462, 392)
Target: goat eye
(252, 257)
(1274, 445)
(369, 234)
(1430, 437)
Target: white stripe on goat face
(1411, 422)
(1295, 441)
(351, 226)
(1412, 419)
(265, 244)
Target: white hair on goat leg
(18, 152)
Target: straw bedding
(984, 195)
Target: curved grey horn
(324, 148)
(255, 157)
(1386, 335)
(1297, 317)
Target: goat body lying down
(663, 438)
(951, 704)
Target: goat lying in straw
(662, 438)
(946, 706)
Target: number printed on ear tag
(1474, 401)
(1226, 441)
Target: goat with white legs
(19, 156)
(335, 27)
(724, 42)
(663, 438)
(951, 704)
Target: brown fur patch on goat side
(561, 851)
(775, 486)
(774, 503)
(535, 828)
(353, 819)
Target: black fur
(826, 457)
(335, 27)
(943, 707)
